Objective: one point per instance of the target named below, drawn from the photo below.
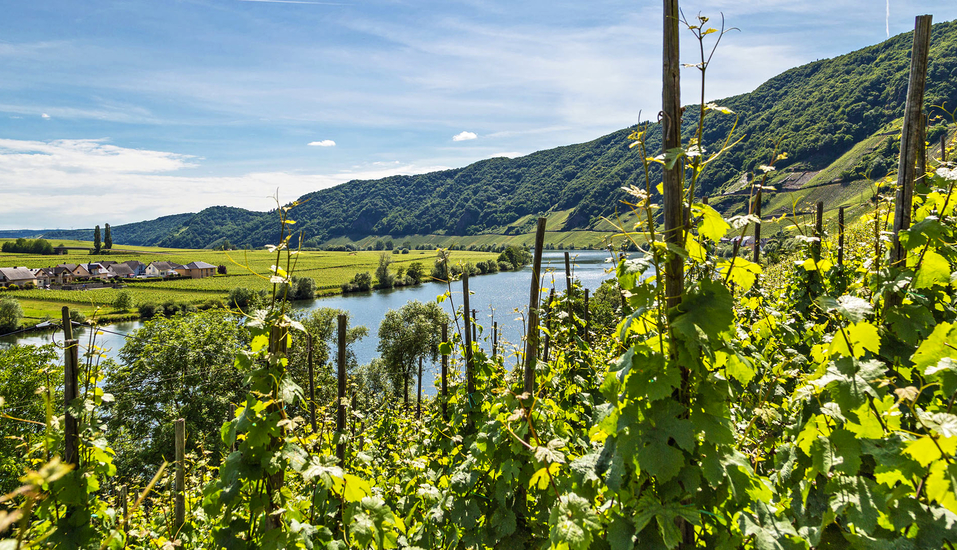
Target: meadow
(244, 268)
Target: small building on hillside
(121, 271)
(197, 270)
(162, 269)
(67, 273)
(16, 276)
(138, 267)
(44, 276)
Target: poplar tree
(97, 245)
(107, 238)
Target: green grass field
(250, 269)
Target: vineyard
(726, 402)
(328, 269)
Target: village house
(44, 276)
(121, 271)
(162, 269)
(67, 273)
(16, 276)
(138, 267)
(197, 270)
(97, 269)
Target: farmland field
(249, 269)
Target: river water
(502, 297)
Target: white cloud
(86, 182)
(464, 136)
(44, 115)
(323, 143)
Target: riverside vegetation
(807, 404)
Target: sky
(127, 110)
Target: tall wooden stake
(474, 326)
(232, 416)
(756, 245)
(445, 374)
(531, 341)
(123, 506)
(921, 143)
(495, 339)
(341, 405)
(910, 133)
(587, 320)
(818, 231)
(312, 383)
(180, 510)
(418, 393)
(71, 454)
(671, 128)
(469, 367)
(568, 291)
(840, 236)
(943, 147)
(548, 322)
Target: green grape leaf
(934, 269)
(712, 225)
(573, 522)
(935, 347)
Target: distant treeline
(28, 246)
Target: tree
(244, 299)
(123, 301)
(407, 334)
(108, 238)
(517, 256)
(23, 371)
(221, 269)
(173, 368)
(415, 272)
(97, 245)
(384, 277)
(10, 315)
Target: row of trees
(28, 246)
(106, 243)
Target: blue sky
(121, 111)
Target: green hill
(818, 113)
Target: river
(500, 297)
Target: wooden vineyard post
(704, 200)
(474, 327)
(531, 341)
(232, 416)
(818, 231)
(671, 128)
(495, 339)
(312, 383)
(353, 407)
(445, 374)
(274, 482)
(469, 367)
(840, 236)
(910, 133)
(943, 147)
(568, 292)
(756, 245)
(71, 361)
(548, 323)
(418, 394)
(921, 143)
(123, 507)
(587, 318)
(340, 403)
(179, 426)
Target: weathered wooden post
(548, 322)
(756, 245)
(341, 405)
(818, 232)
(312, 383)
(910, 134)
(469, 367)
(474, 326)
(418, 394)
(588, 319)
(921, 143)
(568, 292)
(704, 200)
(445, 373)
(179, 426)
(531, 341)
(71, 361)
(673, 185)
(840, 236)
(232, 416)
(123, 507)
(943, 147)
(495, 339)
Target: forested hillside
(816, 112)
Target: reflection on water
(501, 298)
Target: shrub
(10, 315)
(29, 286)
(244, 298)
(221, 269)
(504, 266)
(76, 316)
(13, 286)
(405, 250)
(123, 301)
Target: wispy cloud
(297, 2)
(44, 115)
(464, 136)
(323, 143)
